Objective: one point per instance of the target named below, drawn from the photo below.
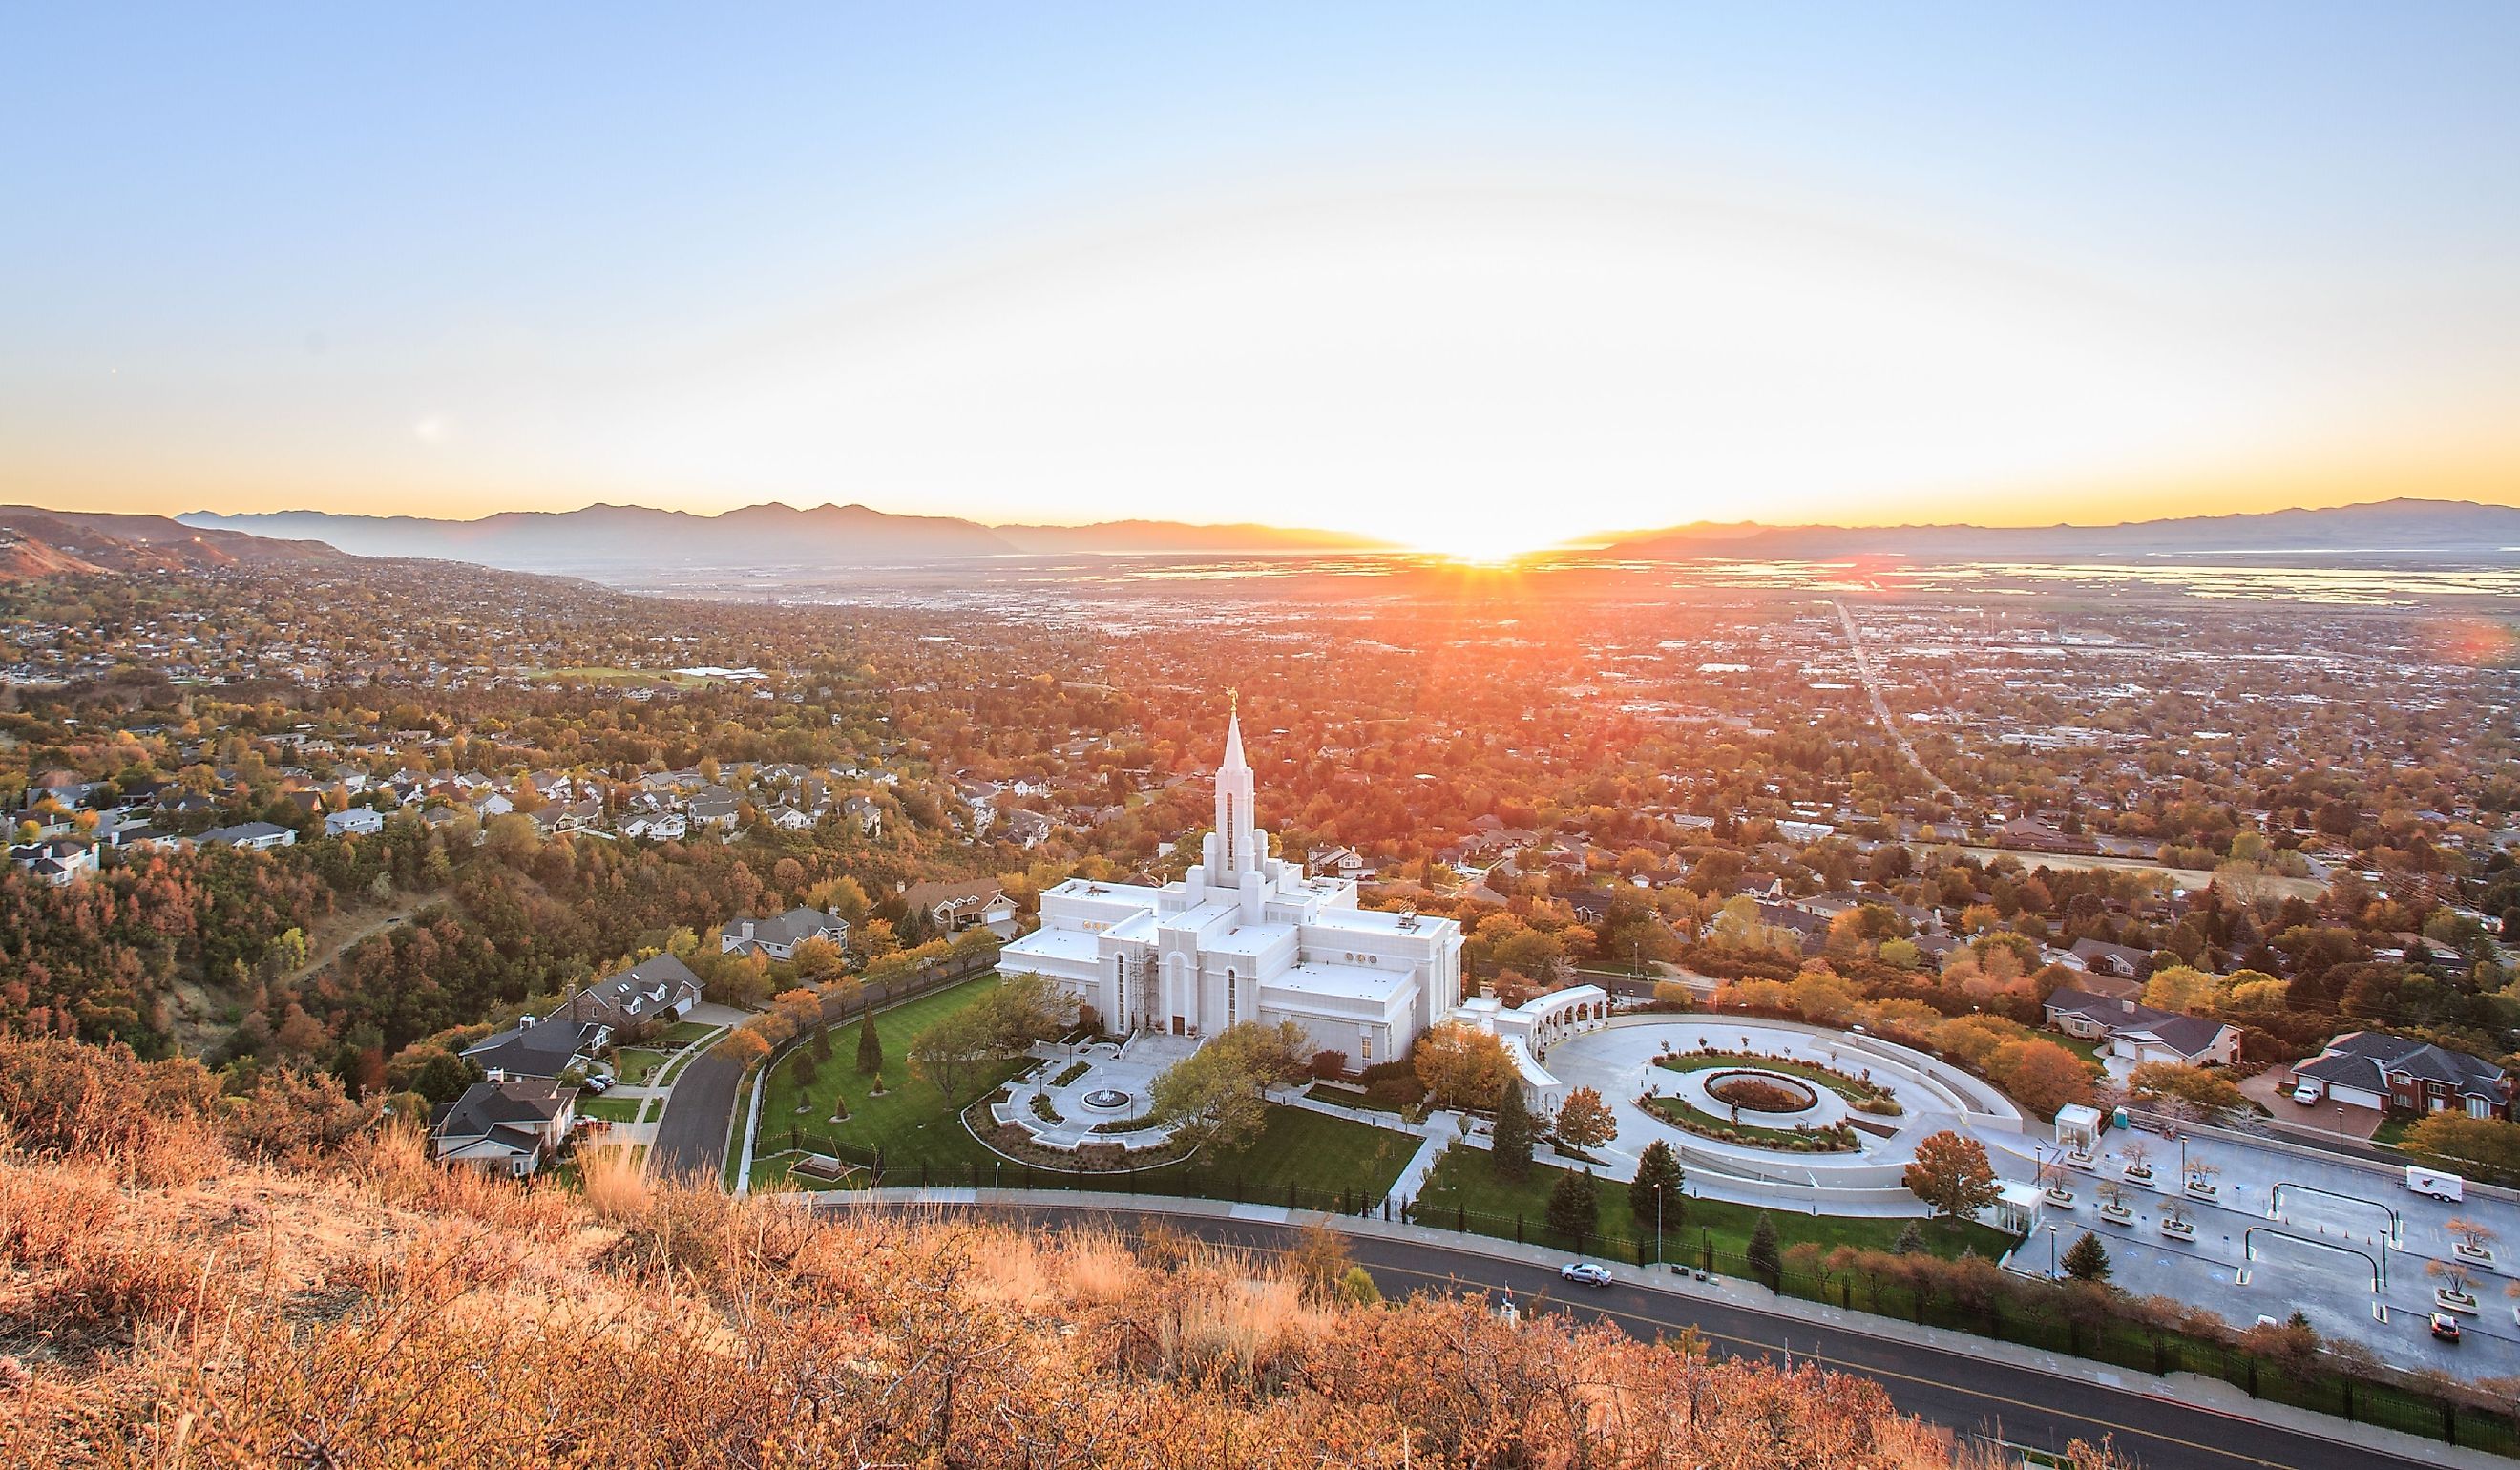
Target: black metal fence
(1161, 1181)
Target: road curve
(1972, 1396)
(691, 1137)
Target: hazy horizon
(1405, 273)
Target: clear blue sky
(1337, 264)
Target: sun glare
(1476, 545)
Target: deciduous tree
(1951, 1173)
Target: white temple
(1247, 937)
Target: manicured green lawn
(684, 1033)
(913, 1123)
(2392, 1132)
(1675, 1108)
(1465, 1178)
(610, 1109)
(635, 1065)
(2088, 1052)
(1315, 1150)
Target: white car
(1585, 1271)
(2305, 1094)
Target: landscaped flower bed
(1761, 1094)
(1070, 1072)
(1837, 1137)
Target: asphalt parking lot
(2288, 1232)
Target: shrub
(1395, 1093)
(1329, 1064)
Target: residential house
(2104, 959)
(57, 860)
(2136, 1033)
(257, 836)
(1027, 828)
(952, 907)
(664, 826)
(509, 1128)
(655, 992)
(354, 821)
(779, 937)
(713, 807)
(2391, 1073)
(866, 814)
(536, 1047)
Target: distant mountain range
(40, 543)
(617, 537)
(606, 540)
(2429, 530)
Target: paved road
(1971, 1395)
(1881, 705)
(700, 1119)
(691, 1137)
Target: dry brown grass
(371, 1309)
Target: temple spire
(1234, 735)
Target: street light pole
(2340, 1124)
(2052, 1253)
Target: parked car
(1585, 1271)
(599, 1086)
(2306, 1094)
(2446, 1326)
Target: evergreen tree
(1911, 1240)
(869, 1045)
(2088, 1259)
(1766, 1261)
(1657, 1187)
(1513, 1130)
(822, 1043)
(1575, 1205)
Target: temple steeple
(1236, 849)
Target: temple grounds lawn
(1466, 1178)
(914, 1125)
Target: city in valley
(984, 739)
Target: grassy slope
(1465, 1178)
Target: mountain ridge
(769, 533)
(2396, 527)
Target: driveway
(2270, 1090)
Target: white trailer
(2435, 1184)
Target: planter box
(2482, 1255)
(2203, 1190)
(2139, 1174)
(2083, 1161)
(2450, 1303)
(2182, 1230)
(2117, 1214)
(2063, 1199)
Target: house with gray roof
(509, 1128)
(536, 1047)
(2394, 1074)
(779, 937)
(258, 835)
(2135, 1033)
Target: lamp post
(2052, 1253)
(2340, 1124)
